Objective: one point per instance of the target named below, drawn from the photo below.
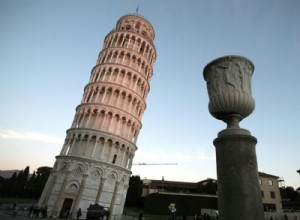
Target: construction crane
(146, 164)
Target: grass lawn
(5, 200)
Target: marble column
(78, 197)
(102, 181)
(60, 195)
(113, 199)
(48, 188)
(123, 198)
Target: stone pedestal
(239, 195)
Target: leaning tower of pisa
(94, 165)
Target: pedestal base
(239, 195)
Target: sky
(49, 47)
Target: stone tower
(94, 165)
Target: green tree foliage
(290, 198)
(2, 184)
(30, 187)
(288, 193)
(11, 185)
(134, 193)
(41, 178)
(24, 185)
(21, 182)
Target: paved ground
(4, 216)
(22, 215)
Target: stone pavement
(5, 216)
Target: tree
(20, 185)
(40, 181)
(134, 193)
(12, 185)
(22, 179)
(30, 187)
(2, 185)
(289, 193)
(290, 198)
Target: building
(94, 165)
(205, 192)
(158, 186)
(269, 186)
(186, 204)
(190, 198)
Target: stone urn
(228, 82)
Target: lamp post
(172, 210)
(230, 100)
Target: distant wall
(157, 203)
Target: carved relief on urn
(229, 87)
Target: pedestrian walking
(78, 214)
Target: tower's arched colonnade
(94, 165)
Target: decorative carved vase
(228, 82)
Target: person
(14, 210)
(78, 214)
(141, 216)
(30, 210)
(36, 212)
(66, 214)
(44, 212)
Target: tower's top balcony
(136, 23)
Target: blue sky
(48, 48)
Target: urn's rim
(226, 57)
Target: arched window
(114, 159)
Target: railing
(282, 215)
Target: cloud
(202, 155)
(29, 136)
(164, 156)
